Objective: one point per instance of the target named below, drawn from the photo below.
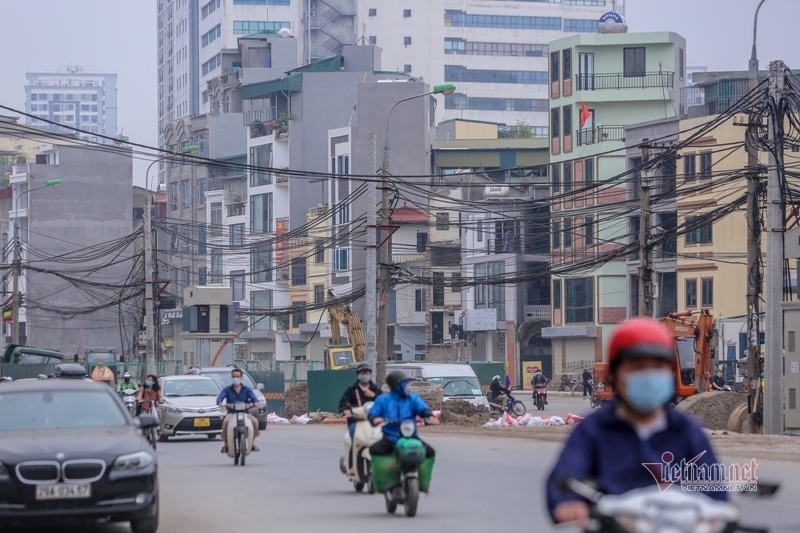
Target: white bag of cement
(536, 421)
(302, 419)
(523, 420)
(556, 421)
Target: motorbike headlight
(239, 407)
(172, 409)
(134, 461)
(407, 428)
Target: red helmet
(640, 337)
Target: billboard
(529, 368)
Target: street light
(18, 262)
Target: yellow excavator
(339, 355)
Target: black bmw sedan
(69, 451)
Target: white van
(458, 381)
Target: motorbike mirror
(147, 422)
(260, 386)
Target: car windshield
(59, 409)
(458, 385)
(224, 379)
(178, 388)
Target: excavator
(694, 333)
(339, 355)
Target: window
(707, 297)
(634, 62)
(455, 45)
(261, 213)
(461, 19)
(705, 165)
(202, 238)
(556, 234)
(580, 300)
(460, 74)
(567, 60)
(407, 69)
(340, 260)
(373, 39)
(247, 27)
(373, 12)
(210, 36)
(261, 263)
(580, 26)
(407, 41)
(555, 123)
(406, 13)
(588, 171)
(298, 314)
(342, 214)
(261, 156)
(237, 284)
(187, 194)
(438, 289)
(567, 120)
(319, 295)
(187, 239)
(555, 170)
(567, 177)
(681, 64)
(202, 275)
(422, 241)
(443, 221)
(261, 301)
(691, 294)
(480, 231)
(173, 196)
(216, 265)
(555, 68)
(211, 64)
(496, 293)
(476, 103)
(319, 250)
(557, 294)
(236, 234)
(262, 2)
(216, 218)
(567, 232)
(689, 167)
(698, 231)
(201, 191)
(455, 280)
(299, 271)
(480, 290)
(589, 230)
(419, 300)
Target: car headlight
(134, 461)
(262, 402)
(172, 409)
(3, 471)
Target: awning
(290, 83)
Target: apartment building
(599, 84)
(75, 98)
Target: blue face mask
(237, 381)
(402, 389)
(647, 390)
(148, 383)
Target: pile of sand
(461, 413)
(296, 400)
(713, 409)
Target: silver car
(190, 407)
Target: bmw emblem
(60, 456)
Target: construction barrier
(325, 389)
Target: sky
(120, 36)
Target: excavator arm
(352, 323)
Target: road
(294, 484)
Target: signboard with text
(280, 244)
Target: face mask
(648, 390)
(127, 380)
(403, 389)
(148, 383)
(237, 381)
(365, 378)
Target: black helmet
(394, 378)
(361, 367)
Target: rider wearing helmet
(362, 391)
(613, 445)
(126, 384)
(497, 389)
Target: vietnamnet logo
(694, 476)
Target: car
(222, 375)
(459, 382)
(70, 451)
(190, 407)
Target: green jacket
(122, 387)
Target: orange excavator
(693, 332)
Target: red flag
(586, 117)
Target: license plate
(202, 422)
(63, 491)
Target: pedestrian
(508, 381)
(718, 382)
(587, 383)
(507, 238)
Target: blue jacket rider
(623, 446)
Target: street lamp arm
(389, 117)
(754, 54)
(50, 183)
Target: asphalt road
(480, 484)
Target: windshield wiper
(200, 394)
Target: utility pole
(384, 259)
(15, 301)
(148, 284)
(645, 251)
(754, 276)
(773, 358)
(372, 261)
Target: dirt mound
(296, 400)
(713, 409)
(461, 413)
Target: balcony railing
(592, 82)
(600, 134)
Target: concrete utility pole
(16, 295)
(773, 358)
(754, 277)
(149, 349)
(645, 250)
(384, 259)
(372, 260)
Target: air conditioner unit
(162, 187)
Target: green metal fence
(487, 370)
(136, 370)
(325, 389)
(273, 389)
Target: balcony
(420, 257)
(282, 275)
(595, 82)
(540, 312)
(600, 134)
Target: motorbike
(365, 436)
(150, 433)
(648, 510)
(404, 474)
(240, 435)
(129, 399)
(513, 406)
(539, 397)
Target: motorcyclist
(497, 389)
(718, 382)
(126, 384)
(362, 391)
(612, 445)
(233, 393)
(539, 381)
